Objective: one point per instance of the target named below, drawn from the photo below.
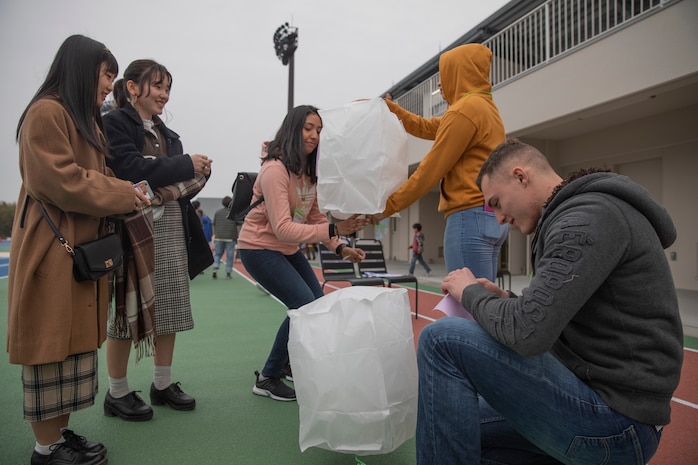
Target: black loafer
(65, 454)
(172, 396)
(81, 443)
(130, 407)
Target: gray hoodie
(602, 299)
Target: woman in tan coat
(56, 324)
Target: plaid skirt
(55, 389)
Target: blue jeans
(291, 279)
(218, 248)
(472, 239)
(417, 257)
(481, 402)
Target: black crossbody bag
(93, 259)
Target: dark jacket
(602, 299)
(223, 228)
(126, 137)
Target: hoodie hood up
(465, 69)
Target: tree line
(7, 214)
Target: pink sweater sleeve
(271, 225)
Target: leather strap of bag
(254, 204)
(58, 234)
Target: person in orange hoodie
(463, 138)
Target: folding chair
(374, 266)
(500, 278)
(335, 268)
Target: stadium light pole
(285, 44)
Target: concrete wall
(660, 153)
(656, 50)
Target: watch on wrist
(339, 249)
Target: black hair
(417, 226)
(144, 72)
(120, 93)
(73, 77)
(288, 146)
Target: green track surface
(215, 362)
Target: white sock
(118, 387)
(162, 377)
(46, 450)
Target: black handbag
(198, 250)
(93, 259)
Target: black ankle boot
(130, 407)
(172, 396)
(65, 454)
(81, 443)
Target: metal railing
(552, 30)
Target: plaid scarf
(135, 279)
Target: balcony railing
(552, 30)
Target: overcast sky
(230, 91)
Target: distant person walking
(225, 236)
(206, 223)
(309, 248)
(418, 249)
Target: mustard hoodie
(463, 136)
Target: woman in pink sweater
(269, 240)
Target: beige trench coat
(50, 315)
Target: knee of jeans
(444, 329)
(427, 340)
(447, 340)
